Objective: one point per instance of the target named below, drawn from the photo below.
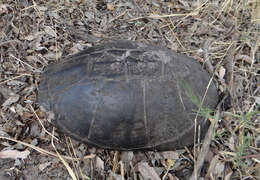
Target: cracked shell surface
(127, 95)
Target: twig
(244, 57)
(206, 57)
(122, 170)
(19, 60)
(115, 18)
(70, 171)
(45, 130)
(229, 64)
(16, 77)
(70, 153)
(9, 41)
(195, 125)
(43, 151)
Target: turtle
(128, 95)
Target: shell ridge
(125, 95)
(145, 112)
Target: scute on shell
(127, 95)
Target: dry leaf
(12, 108)
(44, 165)
(170, 163)
(257, 99)
(216, 168)
(170, 155)
(11, 100)
(3, 8)
(115, 176)
(30, 37)
(2, 132)
(184, 3)
(255, 13)
(231, 143)
(170, 4)
(14, 154)
(127, 156)
(257, 141)
(147, 171)
(219, 170)
(228, 175)
(99, 163)
(221, 72)
(49, 31)
(257, 170)
(110, 7)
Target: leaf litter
(37, 33)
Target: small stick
(207, 140)
(206, 57)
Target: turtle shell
(127, 95)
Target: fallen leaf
(216, 168)
(257, 99)
(170, 155)
(221, 72)
(147, 171)
(255, 13)
(110, 7)
(170, 163)
(115, 176)
(3, 8)
(2, 132)
(257, 170)
(231, 143)
(12, 108)
(127, 156)
(11, 100)
(170, 4)
(99, 163)
(228, 176)
(184, 3)
(257, 141)
(14, 154)
(30, 37)
(49, 31)
(44, 165)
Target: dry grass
(223, 35)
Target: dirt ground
(224, 35)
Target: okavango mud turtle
(127, 95)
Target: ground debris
(37, 33)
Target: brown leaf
(170, 155)
(110, 7)
(170, 163)
(147, 171)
